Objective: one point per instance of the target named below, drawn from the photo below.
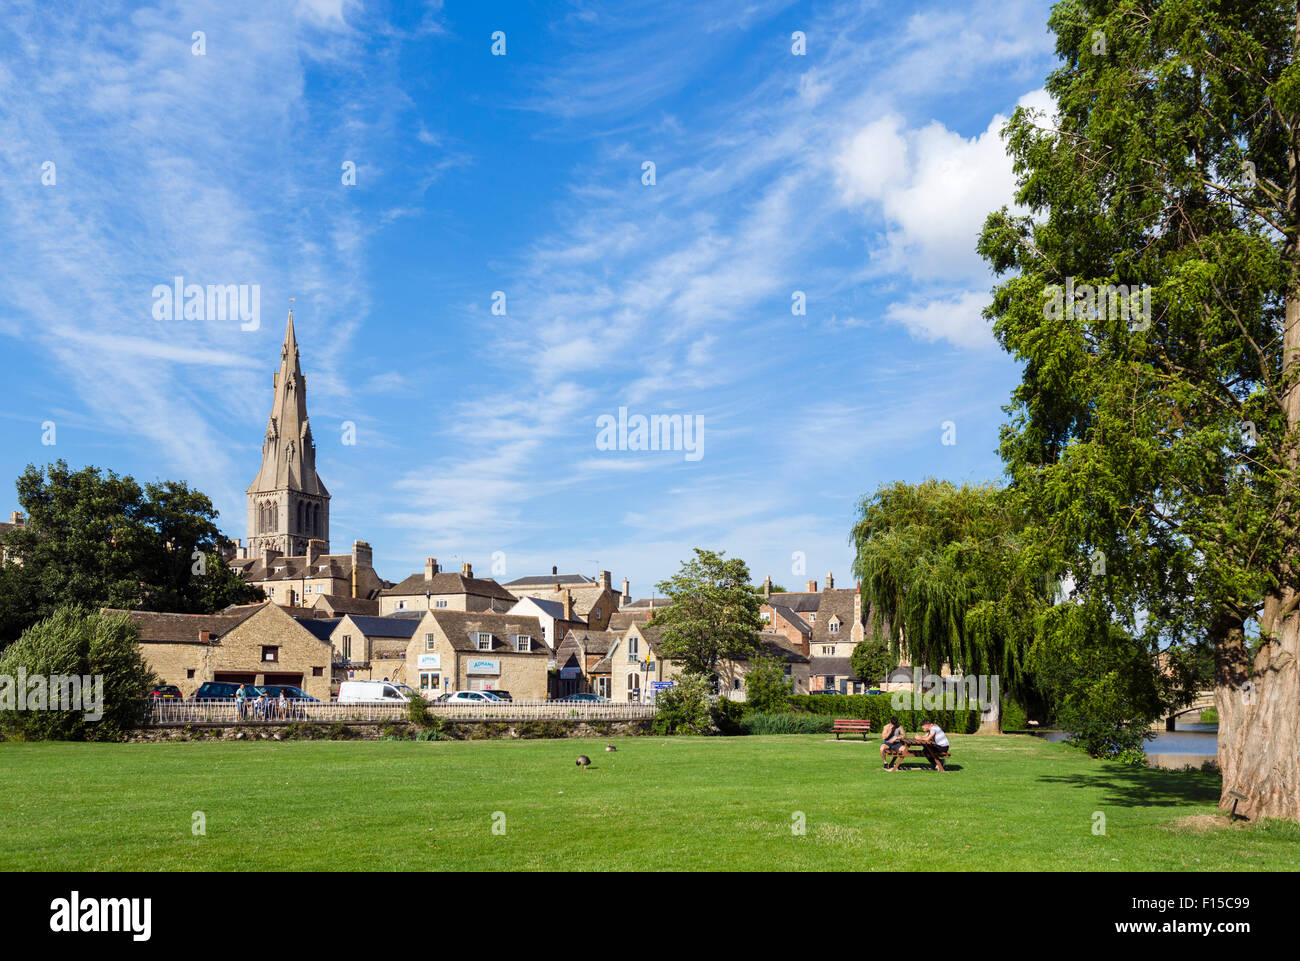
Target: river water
(1189, 738)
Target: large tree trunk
(1259, 703)
(1259, 718)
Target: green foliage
(728, 714)
(786, 723)
(767, 688)
(942, 566)
(684, 708)
(878, 708)
(1154, 454)
(712, 613)
(1013, 716)
(871, 660)
(70, 642)
(417, 711)
(101, 540)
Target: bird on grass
(582, 761)
(610, 747)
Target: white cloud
(956, 319)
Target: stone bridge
(1204, 701)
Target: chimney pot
(554, 570)
(205, 637)
(467, 570)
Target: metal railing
(174, 711)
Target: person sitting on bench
(891, 739)
(934, 741)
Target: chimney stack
(467, 570)
(430, 567)
(16, 518)
(627, 592)
(268, 555)
(812, 587)
(767, 586)
(830, 581)
(606, 580)
(554, 570)
(568, 605)
(205, 637)
(315, 548)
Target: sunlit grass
(1012, 802)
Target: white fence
(175, 711)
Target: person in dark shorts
(891, 739)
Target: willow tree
(1152, 295)
(943, 572)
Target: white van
(373, 692)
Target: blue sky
(858, 173)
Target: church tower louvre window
(288, 504)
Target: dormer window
(484, 641)
(523, 643)
(834, 626)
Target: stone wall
(460, 730)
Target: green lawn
(1014, 802)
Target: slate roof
(162, 628)
(386, 626)
(801, 601)
(583, 600)
(780, 646)
(342, 604)
(545, 581)
(320, 627)
(835, 603)
(622, 620)
(446, 582)
(461, 626)
(293, 568)
(837, 666)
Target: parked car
(589, 698)
(223, 691)
(503, 695)
(165, 690)
(372, 692)
(291, 692)
(464, 697)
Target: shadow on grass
(1133, 786)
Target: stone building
(478, 651)
(592, 601)
(583, 664)
(262, 645)
(439, 590)
(300, 581)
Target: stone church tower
(287, 503)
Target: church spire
(288, 504)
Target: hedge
(877, 708)
(786, 724)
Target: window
(597, 613)
(347, 647)
(633, 687)
(812, 617)
(484, 641)
(190, 672)
(765, 616)
(440, 604)
(430, 642)
(602, 686)
(401, 605)
(834, 626)
(828, 648)
(428, 681)
(270, 653)
(632, 649)
(318, 672)
(523, 643)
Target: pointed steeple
(289, 495)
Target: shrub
(727, 715)
(767, 689)
(75, 642)
(787, 723)
(417, 711)
(684, 708)
(1013, 716)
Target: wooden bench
(850, 725)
